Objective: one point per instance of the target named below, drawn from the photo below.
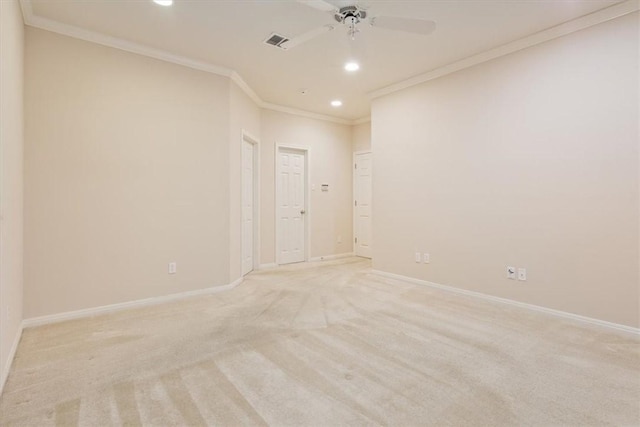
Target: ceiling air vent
(276, 40)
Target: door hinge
(355, 166)
(356, 240)
(356, 203)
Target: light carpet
(324, 344)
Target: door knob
(303, 212)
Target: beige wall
(330, 162)
(132, 163)
(245, 116)
(126, 169)
(361, 137)
(530, 160)
(11, 188)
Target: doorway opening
(250, 204)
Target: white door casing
(291, 205)
(248, 196)
(362, 190)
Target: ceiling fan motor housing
(350, 15)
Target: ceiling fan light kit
(351, 17)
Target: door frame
(353, 201)
(255, 142)
(307, 199)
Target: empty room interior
(322, 213)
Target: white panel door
(247, 207)
(291, 206)
(362, 204)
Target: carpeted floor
(324, 344)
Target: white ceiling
(231, 33)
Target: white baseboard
(313, 259)
(331, 257)
(89, 312)
(12, 353)
(267, 266)
(230, 285)
(558, 313)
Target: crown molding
(361, 120)
(569, 27)
(102, 39)
(33, 20)
(307, 114)
(27, 10)
(235, 77)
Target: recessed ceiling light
(351, 66)
(163, 2)
(336, 103)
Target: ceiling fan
(353, 14)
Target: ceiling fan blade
(305, 37)
(363, 5)
(409, 25)
(319, 4)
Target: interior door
(362, 178)
(247, 207)
(291, 209)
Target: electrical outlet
(511, 273)
(173, 268)
(418, 257)
(425, 258)
(522, 274)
